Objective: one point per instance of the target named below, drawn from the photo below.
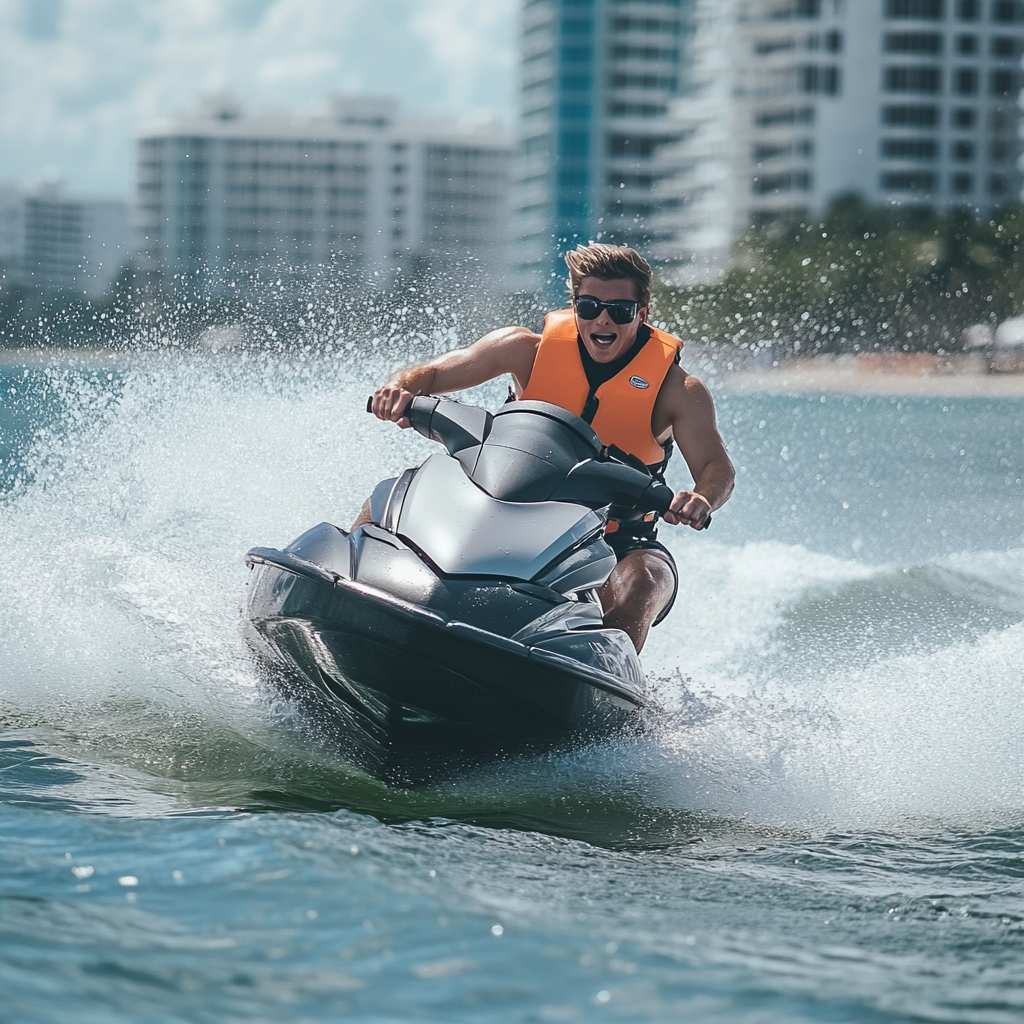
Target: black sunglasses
(622, 311)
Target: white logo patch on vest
(639, 382)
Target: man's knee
(642, 576)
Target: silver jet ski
(464, 620)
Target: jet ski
(463, 620)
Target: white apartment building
(52, 242)
(221, 192)
(799, 101)
(596, 80)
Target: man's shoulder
(681, 390)
(678, 379)
(513, 334)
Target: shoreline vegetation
(888, 300)
(860, 279)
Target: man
(601, 361)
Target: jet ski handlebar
(457, 427)
(609, 477)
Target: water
(829, 826)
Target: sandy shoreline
(800, 376)
(809, 379)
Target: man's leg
(640, 586)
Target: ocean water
(828, 825)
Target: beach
(916, 373)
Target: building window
(572, 179)
(573, 209)
(967, 45)
(908, 181)
(1003, 83)
(1006, 46)
(998, 184)
(636, 146)
(789, 115)
(619, 109)
(910, 149)
(834, 42)
(911, 117)
(1007, 11)
(965, 81)
(645, 53)
(913, 42)
(767, 46)
(577, 26)
(814, 79)
(623, 81)
(962, 151)
(534, 144)
(924, 79)
(777, 151)
(788, 181)
(574, 112)
(999, 151)
(576, 55)
(962, 183)
(573, 144)
(964, 117)
(968, 10)
(645, 25)
(932, 10)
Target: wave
(801, 690)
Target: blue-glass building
(596, 77)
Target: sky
(80, 78)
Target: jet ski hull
(413, 692)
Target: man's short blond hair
(609, 263)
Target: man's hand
(690, 508)
(390, 403)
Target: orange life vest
(625, 403)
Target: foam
(124, 580)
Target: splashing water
(804, 688)
(827, 672)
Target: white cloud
(79, 78)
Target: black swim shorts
(644, 537)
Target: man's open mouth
(604, 339)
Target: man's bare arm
(685, 406)
(508, 350)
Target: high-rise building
(52, 242)
(596, 78)
(796, 102)
(220, 192)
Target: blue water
(828, 827)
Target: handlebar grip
(662, 498)
(369, 404)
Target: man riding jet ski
(602, 361)
(485, 600)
